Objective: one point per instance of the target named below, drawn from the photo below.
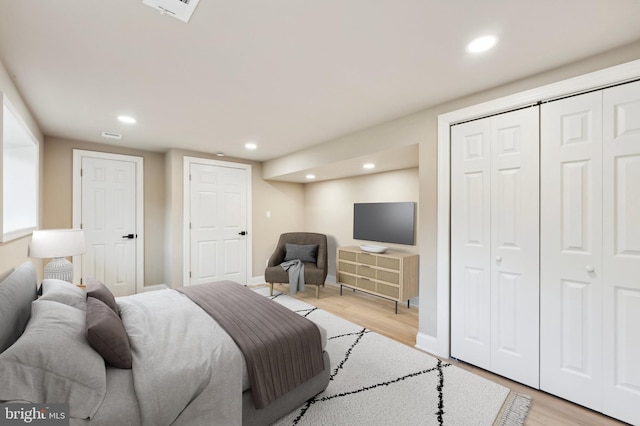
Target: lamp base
(59, 268)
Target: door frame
(626, 72)
(186, 213)
(78, 154)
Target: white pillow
(52, 362)
(64, 292)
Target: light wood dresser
(392, 275)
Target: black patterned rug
(378, 381)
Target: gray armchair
(314, 273)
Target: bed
(156, 358)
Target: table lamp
(56, 244)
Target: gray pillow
(98, 290)
(106, 334)
(17, 291)
(306, 253)
(64, 292)
(53, 362)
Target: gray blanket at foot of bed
(282, 349)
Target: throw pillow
(106, 334)
(99, 291)
(306, 253)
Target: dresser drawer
(389, 263)
(347, 279)
(366, 271)
(390, 277)
(388, 290)
(347, 255)
(366, 284)
(367, 259)
(347, 267)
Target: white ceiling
(287, 74)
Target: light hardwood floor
(378, 315)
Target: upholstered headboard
(17, 291)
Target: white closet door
(621, 252)
(571, 241)
(514, 245)
(494, 244)
(471, 243)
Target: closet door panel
(621, 252)
(470, 243)
(571, 249)
(515, 245)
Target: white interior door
(494, 244)
(621, 252)
(571, 249)
(218, 223)
(109, 191)
(471, 242)
(515, 240)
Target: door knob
(242, 233)
(589, 268)
(498, 258)
(130, 236)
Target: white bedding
(186, 369)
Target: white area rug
(378, 381)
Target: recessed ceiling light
(368, 166)
(126, 119)
(310, 176)
(220, 154)
(482, 44)
(250, 145)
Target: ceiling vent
(179, 9)
(111, 135)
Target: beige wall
(285, 202)
(13, 253)
(58, 198)
(329, 205)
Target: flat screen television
(385, 222)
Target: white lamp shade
(52, 243)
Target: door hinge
(80, 172)
(189, 274)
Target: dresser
(391, 275)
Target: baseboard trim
(427, 343)
(257, 280)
